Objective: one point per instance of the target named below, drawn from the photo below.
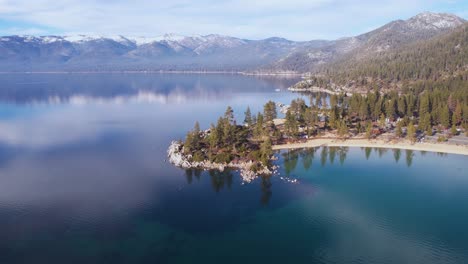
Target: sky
(250, 19)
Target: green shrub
(198, 156)
(223, 158)
(255, 167)
(441, 139)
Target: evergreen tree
(228, 133)
(411, 131)
(214, 137)
(429, 130)
(465, 114)
(266, 151)
(364, 110)
(401, 106)
(377, 110)
(333, 117)
(297, 109)
(248, 117)
(369, 130)
(382, 121)
(390, 108)
(398, 129)
(453, 130)
(424, 105)
(291, 125)
(220, 131)
(189, 145)
(229, 115)
(445, 116)
(310, 119)
(343, 129)
(458, 114)
(269, 111)
(259, 132)
(409, 106)
(196, 135)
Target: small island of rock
(246, 147)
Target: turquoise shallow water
(83, 179)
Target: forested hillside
(394, 36)
(441, 61)
(438, 59)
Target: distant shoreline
(283, 74)
(377, 143)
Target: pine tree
(445, 116)
(214, 137)
(363, 110)
(424, 105)
(333, 117)
(269, 111)
(248, 117)
(458, 114)
(382, 121)
(229, 115)
(196, 135)
(377, 110)
(291, 125)
(310, 118)
(189, 145)
(398, 129)
(465, 114)
(266, 151)
(411, 132)
(220, 131)
(453, 130)
(259, 132)
(429, 130)
(409, 106)
(228, 133)
(425, 122)
(390, 108)
(401, 106)
(369, 130)
(342, 129)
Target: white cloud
(23, 31)
(295, 19)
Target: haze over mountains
(211, 52)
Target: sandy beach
(377, 143)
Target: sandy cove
(377, 143)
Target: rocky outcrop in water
(176, 156)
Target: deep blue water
(83, 179)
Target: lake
(84, 179)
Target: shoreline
(274, 74)
(377, 143)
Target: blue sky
(252, 19)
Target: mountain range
(212, 52)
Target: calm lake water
(83, 179)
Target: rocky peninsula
(226, 145)
(393, 120)
(178, 158)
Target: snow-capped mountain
(434, 21)
(209, 52)
(170, 51)
(390, 36)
